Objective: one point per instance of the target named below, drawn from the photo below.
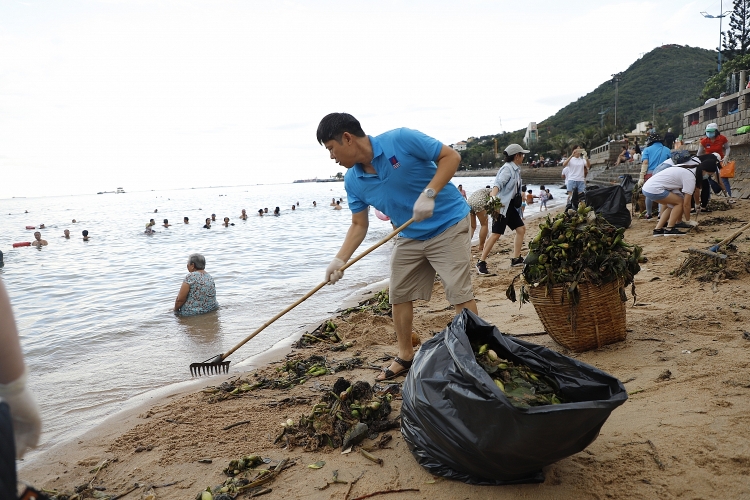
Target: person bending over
(402, 173)
(477, 201)
(674, 188)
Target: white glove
(332, 271)
(692, 223)
(27, 425)
(423, 208)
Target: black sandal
(389, 374)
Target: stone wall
(535, 176)
(728, 124)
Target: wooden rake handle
(734, 235)
(321, 285)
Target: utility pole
(721, 17)
(616, 78)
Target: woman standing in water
(197, 294)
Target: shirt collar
(377, 150)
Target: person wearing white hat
(507, 187)
(715, 142)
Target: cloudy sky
(96, 94)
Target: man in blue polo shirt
(654, 155)
(402, 173)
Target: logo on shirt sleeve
(394, 162)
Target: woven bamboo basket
(597, 320)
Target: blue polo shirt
(656, 154)
(404, 162)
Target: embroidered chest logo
(394, 162)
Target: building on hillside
(532, 135)
(459, 146)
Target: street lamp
(719, 17)
(616, 78)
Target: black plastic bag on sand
(628, 183)
(458, 423)
(611, 203)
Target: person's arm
(11, 358)
(701, 151)
(354, 237)
(644, 169)
(686, 202)
(726, 154)
(24, 413)
(182, 295)
(587, 166)
(447, 165)
(567, 160)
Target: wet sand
(684, 434)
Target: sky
(99, 94)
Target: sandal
(389, 374)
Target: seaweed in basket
(578, 246)
(519, 383)
(343, 417)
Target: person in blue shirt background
(654, 155)
(402, 173)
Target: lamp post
(720, 17)
(616, 78)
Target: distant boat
(120, 191)
(306, 180)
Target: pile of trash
(343, 417)
(292, 373)
(520, 384)
(379, 304)
(325, 332)
(245, 477)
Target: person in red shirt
(715, 142)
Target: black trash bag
(458, 424)
(628, 184)
(611, 203)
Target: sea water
(95, 317)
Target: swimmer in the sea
(338, 206)
(207, 225)
(38, 241)
(66, 234)
(277, 211)
(260, 212)
(243, 216)
(227, 223)
(333, 202)
(85, 234)
(186, 220)
(166, 223)
(213, 217)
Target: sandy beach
(683, 433)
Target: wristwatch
(429, 192)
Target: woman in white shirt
(674, 187)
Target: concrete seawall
(535, 176)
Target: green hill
(663, 84)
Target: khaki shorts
(415, 262)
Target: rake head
(212, 366)
(708, 253)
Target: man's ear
(346, 138)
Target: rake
(713, 251)
(217, 364)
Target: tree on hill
(660, 87)
(737, 37)
(718, 83)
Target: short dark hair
(333, 126)
(85, 232)
(166, 221)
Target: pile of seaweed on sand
(293, 372)
(344, 416)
